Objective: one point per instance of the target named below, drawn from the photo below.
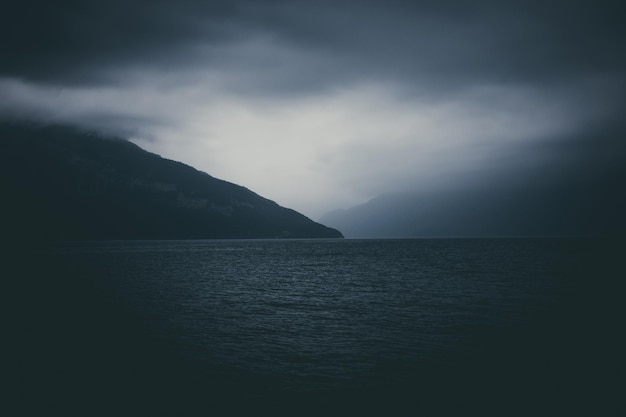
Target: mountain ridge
(63, 183)
(525, 209)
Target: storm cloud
(323, 105)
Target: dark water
(345, 327)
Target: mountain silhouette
(582, 205)
(59, 182)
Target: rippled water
(327, 309)
(374, 322)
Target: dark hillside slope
(62, 183)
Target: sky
(323, 105)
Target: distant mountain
(528, 207)
(62, 183)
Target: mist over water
(332, 326)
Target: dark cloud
(438, 42)
(74, 40)
(524, 89)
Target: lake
(320, 327)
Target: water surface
(327, 326)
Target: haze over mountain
(487, 210)
(324, 105)
(61, 183)
(575, 191)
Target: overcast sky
(321, 105)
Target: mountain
(62, 183)
(589, 206)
